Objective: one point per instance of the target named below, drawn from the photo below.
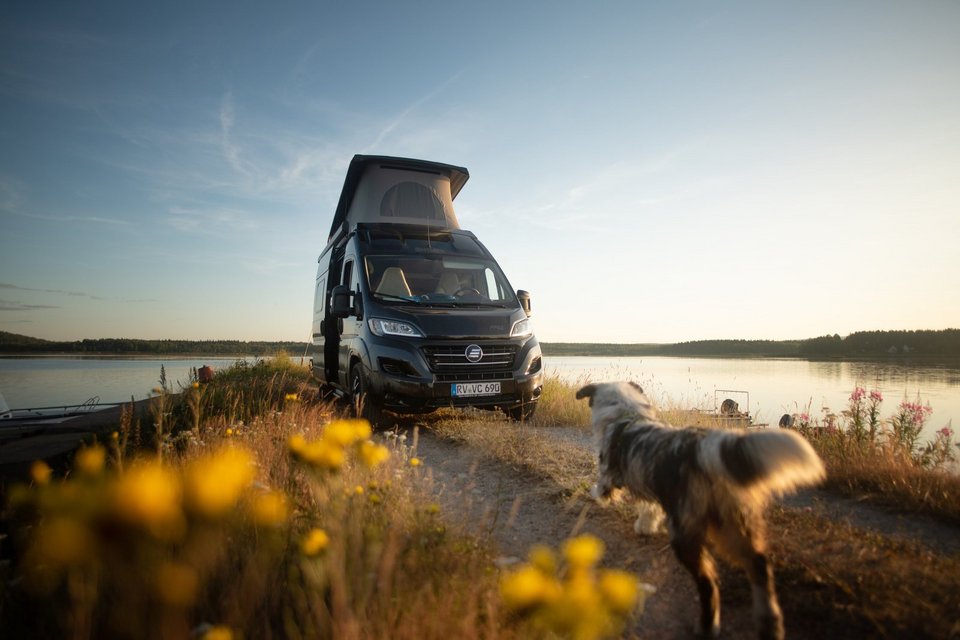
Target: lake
(775, 386)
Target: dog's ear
(636, 386)
(587, 392)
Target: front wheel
(521, 412)
(365, 404)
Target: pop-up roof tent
(386, 189)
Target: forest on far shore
(943, 343)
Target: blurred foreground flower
(40, 472)
(575, 600)
(215, 483)
(90, 461)
(329, 452)
(314, 542)
(149, 495)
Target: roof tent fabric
(404, 190)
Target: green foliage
(14, 343)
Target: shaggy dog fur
(713, 486)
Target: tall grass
(259, 514)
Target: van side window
(320, 299)
(494, 292)
(347, 273)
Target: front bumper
(415, 376)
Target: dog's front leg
(650, 518)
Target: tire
(521, 412)
(364, 403)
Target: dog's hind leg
(746, 547)
(766, 609)
(693, 555)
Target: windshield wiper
(387, 296)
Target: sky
(651, 172)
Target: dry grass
(81, 562)
(882, 477)
(843, 581)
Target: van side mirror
(524, 298)
(340, 306)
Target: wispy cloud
(16, 305)
(80, 294)
(210, 221)
(396, 122)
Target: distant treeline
(862, 344)
(13, 343)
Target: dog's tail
(772, 462)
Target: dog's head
(611, 402)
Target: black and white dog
(712, 484)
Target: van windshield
(437, 280)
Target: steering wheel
(466, 290)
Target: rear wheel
(365, 404)
(522, 412)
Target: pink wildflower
(876, 396)
(946, 432)
(858, 394)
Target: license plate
(467, 389)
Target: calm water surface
(29, 383)
(775, 386)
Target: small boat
(30, 419)
(727, 413)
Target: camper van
(412, 313)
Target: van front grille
(452, 358)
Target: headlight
(521, 329)
(382, 327)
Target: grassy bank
(244, 509)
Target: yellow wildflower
(414, 462)
(195, 385)
(358, 490)
(40, 472)
(269, 509)
(347, 432)
(219, 632)
(543, 558)
(61, 542)
(527, 587)
(177, 583)
(291, 397)
(215, 483)
(372, 454)
(229, 432)
(583, 552)
(315, 542)
(149, 495)
(620, 590)
(323, 454)
(296, 444)
(90, 461)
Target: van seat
(393, 283)
(449, 283)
